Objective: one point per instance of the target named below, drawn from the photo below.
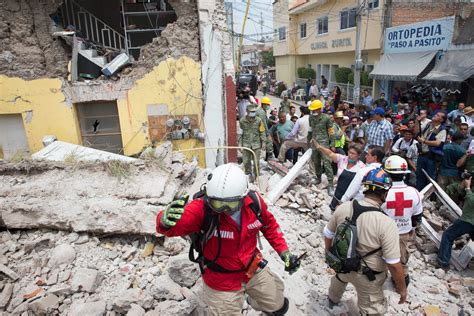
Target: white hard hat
(227, 182)
(396, 165)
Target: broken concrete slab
(6, 295)
(62, 254)
(61, 151)
(284, 183)
(86, 280)
(44, 305)
(99, 203)
(88, 308)
(8, 272)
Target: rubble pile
(94, 252)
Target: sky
(253, 29)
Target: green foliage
(365, 80)
(118, 169)
(268, 60)
(350, 78)
(342, 74)
(306, 73)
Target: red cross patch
(399, 204)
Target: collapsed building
(115, 75)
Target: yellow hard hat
(266, 100)
(316, 105)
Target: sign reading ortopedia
(423, 36)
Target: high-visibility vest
(339, 143)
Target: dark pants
(427, 162)
(288, 154)
(454, 231)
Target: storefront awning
(455, 65)
(402, 66)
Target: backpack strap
(358, 209)
(256, 206)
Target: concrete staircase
(91, 55)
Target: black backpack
(210, 227)
(343, 257)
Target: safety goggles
(225, 205)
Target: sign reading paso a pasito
(423, 36)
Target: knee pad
(282, 311)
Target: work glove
(174, 211)
(292, 262)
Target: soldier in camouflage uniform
(285, 105)
(262, 114)
(321, 130)
(253, 137)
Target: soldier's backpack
(342, 256)
(210, 227)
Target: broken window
(100, 125)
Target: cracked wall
(27, 49)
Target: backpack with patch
(210, 227)
(343, 257)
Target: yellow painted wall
(175, 83)
(49, 114)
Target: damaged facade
(114, 75)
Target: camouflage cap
(251, 107)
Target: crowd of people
(368, 155)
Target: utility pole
(237, 63)
(358, 53)
(261, 27)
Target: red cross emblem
(399, 204)
(403, 166)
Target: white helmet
(226, 187)
(396, 165)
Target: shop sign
(319, 45)
(418, 37)
(341, 42)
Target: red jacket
(238, 246)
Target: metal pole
(242, 36)
(358, 53)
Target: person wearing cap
(339, 135)
(397, 131)
(468, 114)
(321, 130)
(262, 114)
(379, 132)
(253, 137)
(453, 151)
(403, 204)
(285, 104)
(382, 102)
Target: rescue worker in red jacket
(232, 263)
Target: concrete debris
(44, 305)
(79, 272)
(86, 280)
(62, 254)
(89, 308)
(8, 272)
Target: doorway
(100, 125)
(13, 139)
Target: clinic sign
(424, 36)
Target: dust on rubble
(50, 271)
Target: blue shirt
(452, 153)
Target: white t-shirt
(342, 161)
(401, 204)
